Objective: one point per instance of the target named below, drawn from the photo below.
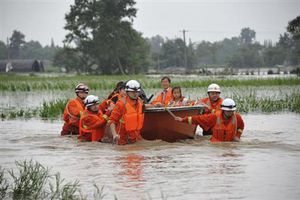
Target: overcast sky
(210, 20)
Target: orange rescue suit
(92, 126)
(222, 129)
(211, 106)
(164, 97)
(71, 116)
(107, 102)
(129, 119)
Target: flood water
(264, 165)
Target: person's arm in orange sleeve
(114, 119)
(74, 113)
(240, 125)
(103, 105)
(93, 122)
(205, 121)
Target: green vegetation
(252, 103)
(31, 180)
(36, 83)
(50, 110)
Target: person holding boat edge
(226, 124)
(127, 118)
(73, 111)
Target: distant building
(28, 65)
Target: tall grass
(36, 83)
(48, 110)
(31, 180)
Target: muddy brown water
(264, 165)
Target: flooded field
(264, 165)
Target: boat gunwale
(180, 108)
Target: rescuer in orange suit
(226, 124)
(92, 121)
(73, 110)
(164, 97)
(109, 103)
(127, 118)
(213, 101)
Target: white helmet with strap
(228, 105)
(213, 88)
(91, 100)
(132, 86)
(82, 88)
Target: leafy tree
(294, 28)
(247, 35)
(69, 59)
(173, 53)
(31, 50)
(3, 50)
(16, 41)
(102, 30)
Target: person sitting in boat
(177, 99)
(127, 118)
(213, 101)
(226, 124)
(163, 97)
(73, 110)
(92, 121)
(107, 105)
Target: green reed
(252, 103)
(31, 180)
(36, 83)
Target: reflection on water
(263, 166)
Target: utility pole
(185, 50)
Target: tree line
(101, 39)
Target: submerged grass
(31, 180)
(48, 110)
(37, 83)
(246, 103)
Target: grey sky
(210, 20)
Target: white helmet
(81, 87)
(213, 88)
(91, 100)
(228, 104)
(132, 85)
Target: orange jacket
(92, 126)
(129, 120)
(71, 116)
(211, 106)
(223, 129)
(160, 99)
(107, 102)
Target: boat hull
(159, 124)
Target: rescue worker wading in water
(127, 118)
(92, 121)
(226, 124)
(73, 111)
(213, 101)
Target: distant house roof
(28, 65)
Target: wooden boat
(159, 124)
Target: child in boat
(177, 99)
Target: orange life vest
(92, 132)
(212, 107)
(160, 98)
(132, 120)
(72, 115)
(222, 132)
